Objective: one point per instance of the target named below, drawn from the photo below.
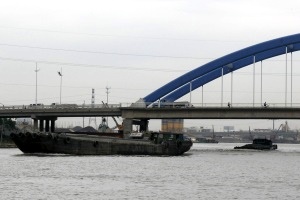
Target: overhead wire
(92, 66)
(86, 87)
(108, 53)
(123, 36)
(99, 52)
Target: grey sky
(136, 46)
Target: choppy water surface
(208, 171)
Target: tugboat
(259, 144)
(155, 143)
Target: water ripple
(206, 172)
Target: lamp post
(107, 92)
(61, 75)
(36, 71)
(83, 117)
(2, 130)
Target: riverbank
(2, 146)
(7, 144)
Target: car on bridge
(165, 104)
(57, 105)
(36, 105)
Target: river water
(207, 171)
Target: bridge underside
(211, 113)
(140, 116)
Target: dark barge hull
(257, 147)
(85, 144)
(259, 144)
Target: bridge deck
(161, 113)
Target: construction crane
(119, 126)
(284, 127)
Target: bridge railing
(59, 106)
(247, 105)
(143, 105)
(226, 105)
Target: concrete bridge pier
(41, 128)
(127, 127)
(52, 125)
(47, 125)
(38, 123)
(35, 124)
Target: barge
(259, 144)
(156, 143)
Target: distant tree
(8, 123)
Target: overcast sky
(134, 47)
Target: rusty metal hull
(84, 144)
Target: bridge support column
(47, 125)
(52, 125)
(144, 125)
(35, 124)
(127, 127)
(41, 128)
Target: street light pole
(2, 129)
(2, 125)
(83, 117)
(36, 71)
(107, 92)
(61, 75)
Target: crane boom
(120, 127)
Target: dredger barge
(155, 143)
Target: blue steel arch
(228, 63)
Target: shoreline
(7, 145)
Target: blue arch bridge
(224, 65)
(139, 113)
